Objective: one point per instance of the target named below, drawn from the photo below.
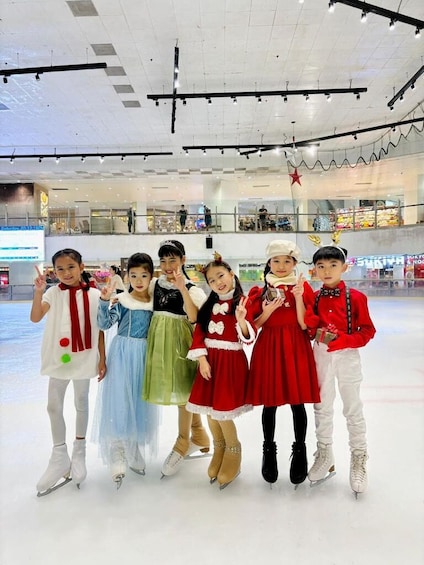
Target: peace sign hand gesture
(40, 282)
(107, 291)
(179, 279)
(298, 287)
(241, 310)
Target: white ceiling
(224, 45)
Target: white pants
(55, 403)
(345, 366)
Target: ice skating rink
(183, 519)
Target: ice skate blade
(212, 480)
(118, 481)
(224, 485)
(138, 471)
(320, 481)
(199, 456)
(52, 489)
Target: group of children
(175, 346)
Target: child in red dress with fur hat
(282, 368)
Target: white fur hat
(282, 247)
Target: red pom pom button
(64, 342)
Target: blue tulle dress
(121, 415)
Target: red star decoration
(295, 177)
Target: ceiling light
(277, 150)
(122, 157)
(358, 96)
(391, 108)
(37, 77)
(259, 152)
(355, 137)
(186, 152)
(204, 151)
(57, 160)
(394, 128)
(401, 98)
(417, 34)
(259, 100)
(40, 159)
(364, 16)
(331, 6)
(157, 102)
(328, 97)
(307, 97)
(101, 158)
(5, 78)
(184, 102)
(222, 151)
(413, 86)
(12, 160)
(238, 151)
(234, 100)
(392, 24)
(145, 158)
(209, 100)
(285, 99)
(83, 158)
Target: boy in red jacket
(340, 323)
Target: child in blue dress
(124, 422)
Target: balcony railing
(66, 221)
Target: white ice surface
(183, 519)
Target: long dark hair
(173, 248)
(205, 312)
(76, 256)
(140, 260)
(116, 270)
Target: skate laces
(358, 464)
(173, 459)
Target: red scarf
(77, 343)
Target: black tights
(300, 422)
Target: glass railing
(158, 221)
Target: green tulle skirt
(169, 374)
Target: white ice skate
(323, 467)
(193, 448)
(358, 472)
(118, 465)
(59, 467)
(137, 463)
(171, 464)
(78, 468)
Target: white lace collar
(164, 283)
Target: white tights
(55, 404)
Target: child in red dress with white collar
(340, 323)
(219, 389)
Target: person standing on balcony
(183, 217)
(263, 218)
(130, 215)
